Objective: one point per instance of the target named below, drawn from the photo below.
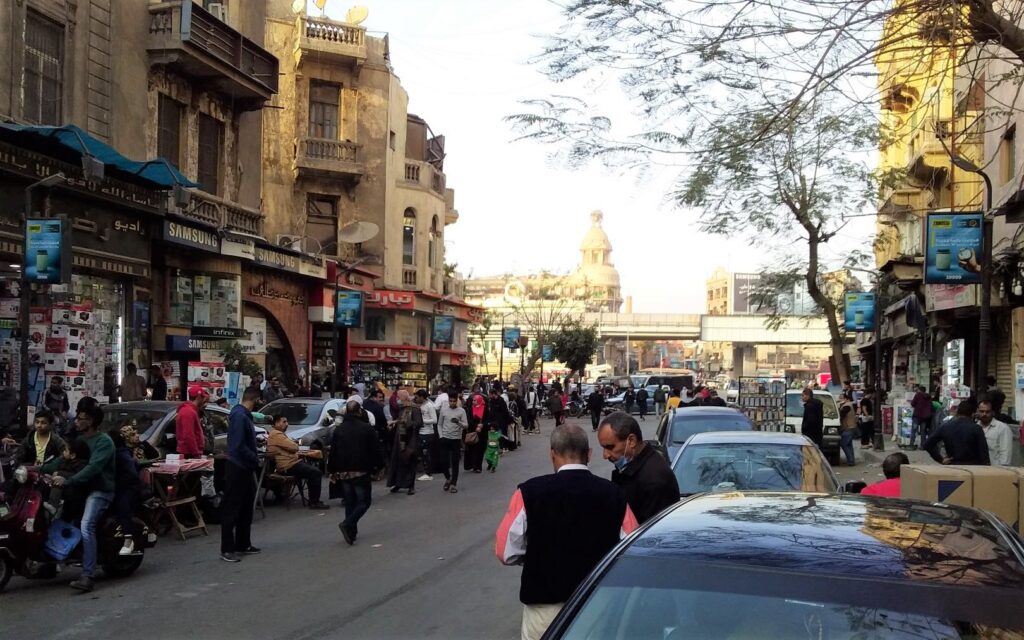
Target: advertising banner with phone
(953, 251)
(859, 311)
(348, 309)
(547, 353)
(444, 329)
(510, 337)
(47, 249)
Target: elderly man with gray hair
(571, 519)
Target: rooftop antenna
(357, 14)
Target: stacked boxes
(994, 489)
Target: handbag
(62, 538)
(472, 438)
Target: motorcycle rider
(98, 477)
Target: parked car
(311, 421)
(795, 415)
(804, 565)
(676, 426)
(751, 461)
(617, 402)
(154, 422)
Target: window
(169, 130)
(322, 221)
(211, 131)
(432, 244)
(181, 301)
(324, 100)
(1008, 154)
(391, 140)
(205, 300)
(421, 334)
(409, 237)
(375, 327)
(44, 70)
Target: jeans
(236, 508)
(312, 476)
(426, 446)
(867, 432)
(357, 495)
(95, 505)
(659, 408)
(846, 444)
(921, 426)
(451, 453)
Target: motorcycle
(25, 520)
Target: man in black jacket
(595, 403)
(962, 438)
(355, 456)
(642, 472)
(813, 423)
(42, 434)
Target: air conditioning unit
(288, 241)
(219, 11)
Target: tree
(548, 304)
(235, 359)
(575, 345)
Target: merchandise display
(763, 400)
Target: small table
(174, 486)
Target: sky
(466, 66)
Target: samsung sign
(177, 233)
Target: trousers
(358, 497)
(236, 508)
(95, 505)
(537, 618)
(451, 454)
(312, 476)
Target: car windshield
(648, 613)
(684, 426)
(141, 419)
(751, 467)
(298, 413)
(795, 406)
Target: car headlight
(832, 430)
(21, 475)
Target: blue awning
(70, 143)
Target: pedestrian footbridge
(749, 329)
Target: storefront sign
(390, 300)
(444, 329)
(219, 332)
(189, 236)
(547, 353)
(348, 310)
(388, 354)
(191, 343)
(313, 269)
(859, 311)
(47, 249)
(268, 291)
(256, 343)
(238, 247)
(276, 259)
(510, 337)
(953, 254)
(939, 297)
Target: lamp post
(501, 348)
(523, 341)
(334, 327)
(985, 312)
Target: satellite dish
(298, 6)
(356, 232)
(357, 14)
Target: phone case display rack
(763, 400)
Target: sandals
(447, 485)
(454, 489)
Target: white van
(795, 414)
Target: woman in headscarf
(402, 473)
(476, 410)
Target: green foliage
(236, 360)
(574, 344)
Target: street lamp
(501, 347)
(985, 312)
(523, 341)
(334, 325)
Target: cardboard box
(994, 489)
(65, 331)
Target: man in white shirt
(428, 432)
(997, 435)
(441, 401)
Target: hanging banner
(47, 250)
(348, 309)
(547, 353)
(953, 254)
(444, 329)
(859, 311)
(510, 337)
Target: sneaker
(250, 551)
(84, 584)
(345, 533)
(425, 477)
(230, 556)
(128, 548)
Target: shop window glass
(204, 300)
(375, 327)
(181, 301)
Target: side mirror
(854, 486)
(328, 421)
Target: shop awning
(70, 143)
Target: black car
(804, 565)
(677, 425)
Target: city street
(423, 567)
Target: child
(76, 457)
(493, 448)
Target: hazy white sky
(465, 66)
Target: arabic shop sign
(189, 236)
(268, 291)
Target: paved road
(423, 568)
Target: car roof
(154, 405)
(845, 535)
(690, 412)
(817, 392)
(748, 437)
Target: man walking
(157, 383)
(922, 404)
(962, 438)
(188, 427)
(998, 436)
(239, 481)
(355, 457)
(813, 423)
(532, 409)
(133, 387)
(641, 402)
(659, 400)
(427, 434)
(452, 422)
(595, 403)
(559, 526)
(642, 472)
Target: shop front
(451, 353)
(327, 357)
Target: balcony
(331, 41)
(425, 176)
(931, 141)
(188, 39)
(322, 158)
(409, 277)
(209, 209)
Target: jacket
(126, 471)
(963, 439)
(98, 474)
(284, 450)
(595, 401)
(649, 484)
(26, 453)
(242, 439)
(355, 447)
(497, 413)
(188, 431)
(813, 423)
(922, 404)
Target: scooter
(24, 528)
